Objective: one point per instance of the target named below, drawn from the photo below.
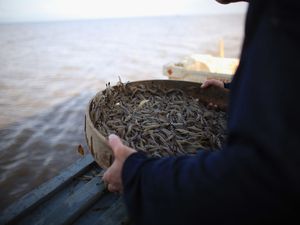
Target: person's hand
(212, 82)
(230, 1)
(113, 175)
(209, 83)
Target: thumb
(203, 85)
(120, 150)
(115, 142)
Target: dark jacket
(255, 179)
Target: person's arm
(255, 178)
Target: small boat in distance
(200, 67)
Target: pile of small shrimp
(158, 121)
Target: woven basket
(98, 144)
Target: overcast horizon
(12, 11)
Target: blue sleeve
(227, 85)
(255, 178)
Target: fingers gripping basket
(98, 144)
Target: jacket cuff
(131, 165)
(227, 85)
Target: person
(255, 178)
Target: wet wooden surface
(76, 196)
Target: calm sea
(49, 72)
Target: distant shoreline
(119, 18)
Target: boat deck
(76, 196)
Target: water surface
(49, 72)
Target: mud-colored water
(49, 72)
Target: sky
(51, 10)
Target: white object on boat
(199, 68)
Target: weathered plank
(43, 192)
(105, 202)
(76, 204)
(115, 215)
